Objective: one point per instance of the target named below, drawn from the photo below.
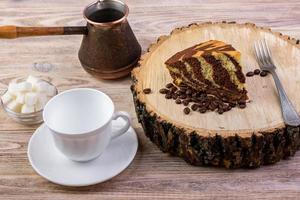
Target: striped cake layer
(212, 66)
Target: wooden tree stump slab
(238, 138)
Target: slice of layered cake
(213, 67)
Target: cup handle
(125, 127)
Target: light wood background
(153, 174)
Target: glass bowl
(26, 118)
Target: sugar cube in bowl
(25, 99)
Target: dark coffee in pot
(106, 15)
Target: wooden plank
(152, 174)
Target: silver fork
(264, 59)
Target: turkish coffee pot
(109, 48)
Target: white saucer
(48, 162)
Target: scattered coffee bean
(220, 111)
(174, 96)
(194, 107)
(212, 107)
(174, 89)
(203, 95)
(147, 90)
(186, 110)
(242, 102)
(257, 71)
(188, 99)
(183, 90)
(242, 105)
(193, 99)
(188, 92)
(169, 85)
(200, 100)
(178, 92)
(224, 99)
(163, 91)
(178, 101)
(227, 108)
(249, 74)
(183, 96)
(168, 96)
(202, 110)
(232, 104)
(263, 73)
(185, 102)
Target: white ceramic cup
(80, 121)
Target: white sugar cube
(27, 109)
(13, 88)
(24, 86)
(32, 79)
(6, 98)
(38, 106)
(51, 91)
(41, 102)
(20, 98)
(14, 106)
(30, 98)
(42, 87)
(42, 99)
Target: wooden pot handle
(12, 32)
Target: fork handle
(289, 113)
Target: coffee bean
(215, 103)
(241, 102)
(193, 99)
(178, 101)
(188, 92)
(194, 95)
(257, 71)
(178, 92)
(249, 74)
(263, 73)
(228, 108)
(220, 111)
(163, 91)
(169, 85)
(186, 103)
(174, 96)
(232, 104)
(182, 85)
(173, 89)
(242, 106)
(168, 96)
(202, 95)
(224, 99)
(188, 99)
(183, 90)
(212, 107)
(194, 107)
(147, 90)
(183, 96)
(170, 93)
(199, 99)
(202, 110)
(186, 110)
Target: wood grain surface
(152, 175)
